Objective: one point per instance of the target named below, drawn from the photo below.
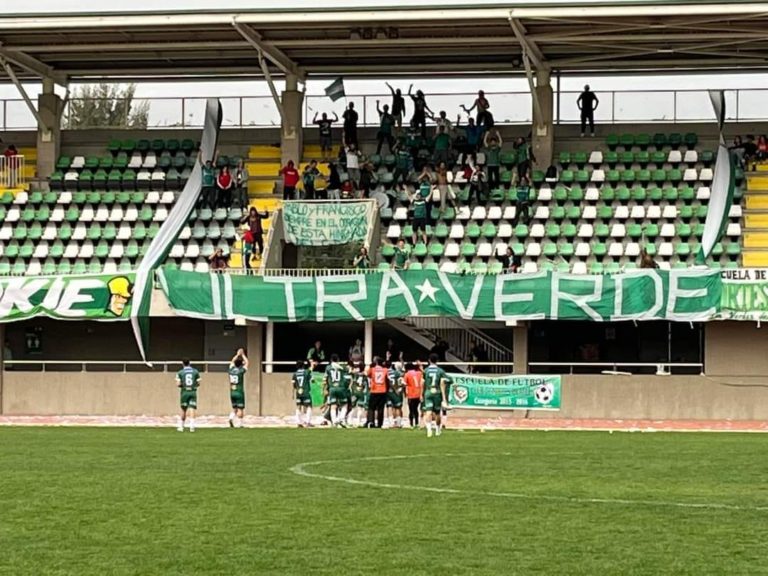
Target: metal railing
(508, 108)
(110, 365)
(171, 366)
(12, 172)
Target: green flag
(336, 90)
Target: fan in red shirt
(290, 180)
(224, 183)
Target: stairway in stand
(755, 238)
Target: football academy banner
(87, 297)
(679, 295)
(745, 294)
(504, 392)
(327, 223)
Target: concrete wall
(736, 349)
(155, 394)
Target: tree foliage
(106, 106)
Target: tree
(106, 106)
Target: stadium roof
(452, 39)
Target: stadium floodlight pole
(12, 75)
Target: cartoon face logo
(120, 294)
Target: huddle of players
(359, 394)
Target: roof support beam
(12, 75)
(275, 55)
(529, 46)
(32, 65)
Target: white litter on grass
(301, 470)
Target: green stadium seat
(634, 231)
(607, 193)
(675, 140)
(659, 158)
(599, 249)
(686, 193)
(436, 249)
(187, 146)
(674, 175)
(628, 176)
(643, 140)
(626, 158)
(472, 231)
(489, 230)
(567, 177)
(27, 249)
(701, 212)
(690, 140)
(557, 213)
(685, 212)
(611, 157)
(638, 194)
(521, 231)
(538, 176)
(659, 140)
(565, 158)
(627, 140)
(158, 145)
(623, 194)
(612, 141)
(643, 176)
(580, 158)
(121, 161)
(566, 251)
(468, 250)
(582, 176)
(613, 176)
(682, 250)
(11, 249)
(651, 231)
(596, 268)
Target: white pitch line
(301, 470)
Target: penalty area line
(301, 469)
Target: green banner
(680, 295)
(745, 294)
(91, 297)
(504, 392)
(327, 223)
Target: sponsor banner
(327, 223)
(88, 297)
(679, 295)
(745, 294)
(527, 392)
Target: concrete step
(752, 221)
(757, 183)
(257, 169)
(755, 240)
(754, 259)
(757, 201)
(261, 186)
(264, 152)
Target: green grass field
(153, 501)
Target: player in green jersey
(337, 391)
(359, 394)
(395, 395)
(435, 396)
(238, 366)
(188, 381)
(302, 393)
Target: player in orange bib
(414, 388)
(378, 386)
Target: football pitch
(120, 501)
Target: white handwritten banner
(319, 223)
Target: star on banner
(427, 291)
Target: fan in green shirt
(402, 253)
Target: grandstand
(91, 201)
(114, 267)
